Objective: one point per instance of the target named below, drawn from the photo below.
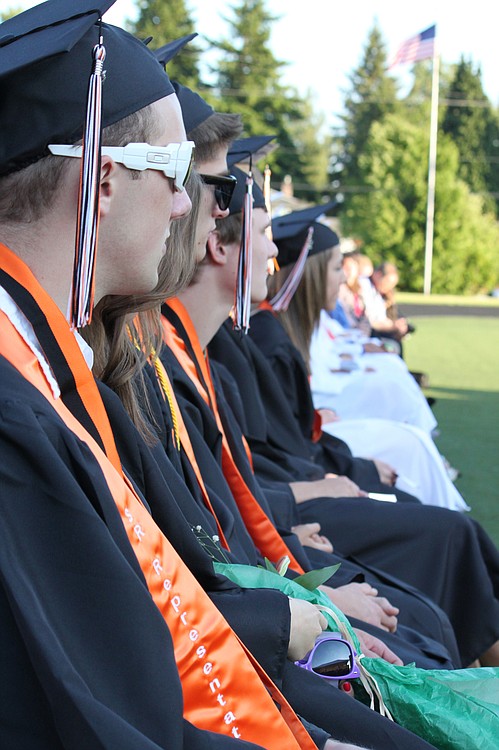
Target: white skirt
(410, 451)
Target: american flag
(418, 47)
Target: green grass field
(461, 356)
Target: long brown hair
(126, 329)
(303, 314)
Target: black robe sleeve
(279, 376)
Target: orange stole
(222, 690)
(261, 529)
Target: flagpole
(432, 169)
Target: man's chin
(258, 298)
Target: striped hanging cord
(87, 228)
(280, 302)
(242, 305)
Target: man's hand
(308, 534)
(331, 486)
(387, 473)
(373, 647)
(401, 327)
(328, 415)
(306, 624)
(361, 600)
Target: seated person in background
(418, 465)
(365, 265)
(350, 295)
(358, 378)
(375, 291)
(349, 373)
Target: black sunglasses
(224, 188)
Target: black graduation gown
(78, 603)
(457, 564)
(419, 613)
(253, 614)
(253, 375)
(87, 659)
(279, 427)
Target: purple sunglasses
(332, 658)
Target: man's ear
(215, 250)
(108, 173)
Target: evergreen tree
(472, 125)
(10, 12)
(390, 217)
(372, 96)
(164, 21)
(248, 81)
(311, 139)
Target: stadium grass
(461, 356)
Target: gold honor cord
(163, 383)
(166, 388)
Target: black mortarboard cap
(289, 232)
(238, 196)
(253, 148)
(45, 64)
(194, 108)
(168, 51)
(246, 149)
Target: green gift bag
(451, 709)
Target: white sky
(323, 40)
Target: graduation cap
(239, 195)
(45, 64)
(52, 60)
(194, 108)
(168, 51)
(242, 150)
(290, 232)
(297, 236)
(254, 147)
